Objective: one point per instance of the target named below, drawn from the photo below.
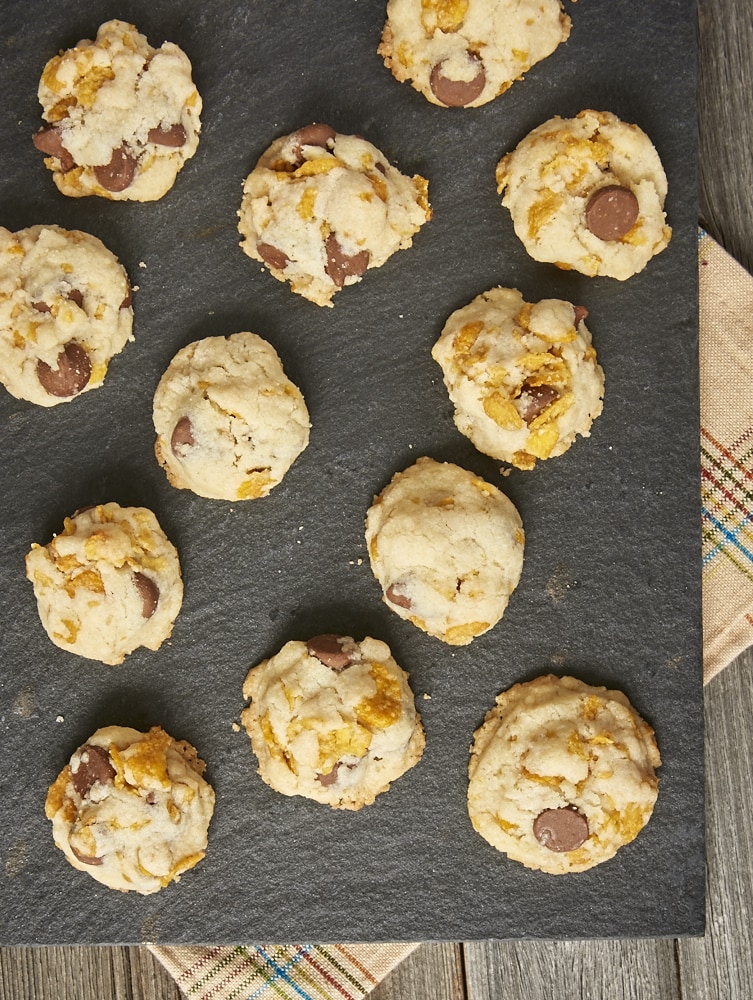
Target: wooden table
(720, 965)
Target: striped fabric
(347, 972)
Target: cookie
(65, 311)
(132, 809)
(523, 377)
(108, 583)
(464, 53)
(333, 720)
(587, 194)
(122, 117)
(562, 774)
(229, 422)
(319, 209)
(446, 548)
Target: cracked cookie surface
(108, 583)
(464, 53)
(523, 377)
(65, 311)
(320, 208)
(587, 194)
(333, 720)
(446, 548)
(132, 809)
(562, 774)
(122, 117)
(229, 422)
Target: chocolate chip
(149, 593)
(182, 437)
(561, 829)
(77, 296)
(94, 766)
(394, 597)
(128, 300)
(581, 313)
(41, 307)
(74, 369)
(272, 256)
(458, 93)
(340, 265)
(315, 134)
(330, 778)
(49, 140)
(328, 650)
(117, 175)
(173, 135)
(535, 399)
(611, 212)
(85, 859)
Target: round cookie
(464, 53)
(320, 209)
(587, 193)
(333, 720)
(122, 117)
(523, 377)
(229, 422)
(108, 583)
(562, 774)
(132, 809)
(446, 548)
(65, 311)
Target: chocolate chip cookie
(464, 53)
(108, 583)
(319, 209)
(65, 311)
(132, 809)
(446, 548)
(229, 422)
(523, 376)
(562, 774)
(122, 117)
(587, 193)
(332, 719)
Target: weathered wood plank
(431, 972)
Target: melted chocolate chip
(394, 597)
(85, 859)
(315, 134)
(535, 399)
(77, 296)
(182, 437)
(458, 93)
(74, 369)
(41, 307)
(149, 593)
(94, 766)
(330, 778)
(49, 140)
(340, 265)
(128, 300)
(581, 313)
(611, 212)
(327, 649)
(561, 829)
(117, 175)
(272, 256)
(173, 135)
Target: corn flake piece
(502, 412)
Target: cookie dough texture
(523, 377)
(132, 809)
(446, 548)
(572, 763)
(333, 720)
(320, 209)
(229, 422)
(556, 179)
(108, 583)
(65, 311)
(122, 117)
(464, 53)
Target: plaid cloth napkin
(347, 972)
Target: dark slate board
(611, 585)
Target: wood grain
(718, 966)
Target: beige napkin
(346, 972)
